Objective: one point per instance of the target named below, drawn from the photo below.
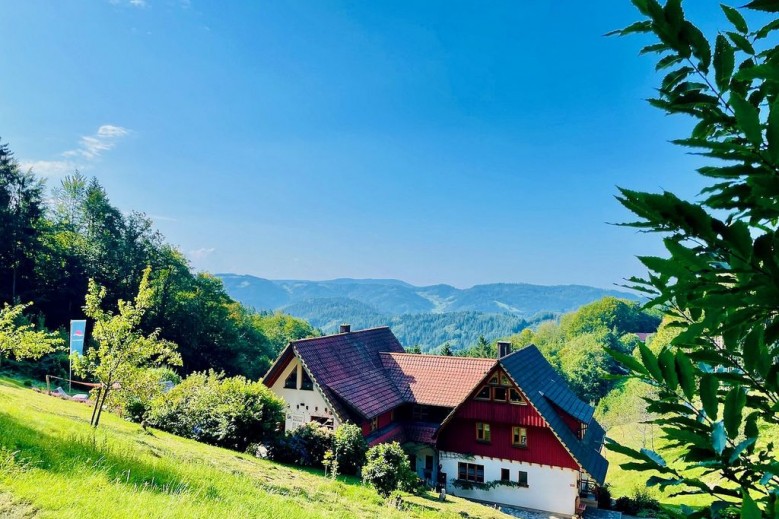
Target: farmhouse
(505, 430)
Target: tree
(121, 348)
(717, 382)
(20, 339)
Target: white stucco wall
(551, 489)
(301, 404)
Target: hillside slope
(394, 297)
(428, 317)
(52, 464)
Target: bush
(305, 446)
(229, 412)
(349, 447)
(604, 497)
(387, 469)
(134, 399)
(641, 502)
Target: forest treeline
(53, 241)
(576, 343)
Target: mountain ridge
(427, 316)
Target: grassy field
(52, 464)
(638, 436)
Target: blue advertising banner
(77, 331)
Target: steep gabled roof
(348, 369)
(544, 389)
(434, 379)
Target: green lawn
(52, 464)
(638, 436)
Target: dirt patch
(12, 509)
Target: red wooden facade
(381, 421)
(543, 447)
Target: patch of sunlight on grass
(52, 464)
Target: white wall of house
(551, 489)
(421, 452)
(302, 405)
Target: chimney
(504, 348)
(345, 328)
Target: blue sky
(434, 141)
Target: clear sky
(430, 141)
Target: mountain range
(426, 316)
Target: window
(582, 430)
(428, 462)
(483, 394)
(519, 437)
(306, 382)
(505, 475)
(504, 380)
(483, 432)
(494, 379)
(375, 424)
(420, 413)
(499, 394)
(522, 479)
(515, 397)
(291, 381)
(470, 472)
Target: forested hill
(394, 297)
(428, 317)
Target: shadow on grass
(87, 453)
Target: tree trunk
(100, 411)
(97, 403)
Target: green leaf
(735, 18)
(766, 30)
(709, 387)
(747, 118)
(699, 44)
(741, 42)
(772, 6)
(654, 457)
(733, 409)
(724, 62)
(686, 374)
(668, 367)
(650, 362)
(773, 131)
(628, 361)
(741, 447)
(749, 509)
(718, 437)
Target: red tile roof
(435, 379)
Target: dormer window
(515, 397)
(483, 394)
(291, 382)
(306, 383)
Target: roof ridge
(307, 339)
(432, 355)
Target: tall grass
(52, 464)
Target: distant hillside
(425, 316)
(393, 297)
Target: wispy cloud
(89, 148)
(134, 3)
(202, 253)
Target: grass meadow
(53, 464)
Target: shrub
(387, 469)
(230, 412)
(305, 446)
(604, 497)
(134, 399)
(349, 447)
(641, 502)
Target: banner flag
(77, 331)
